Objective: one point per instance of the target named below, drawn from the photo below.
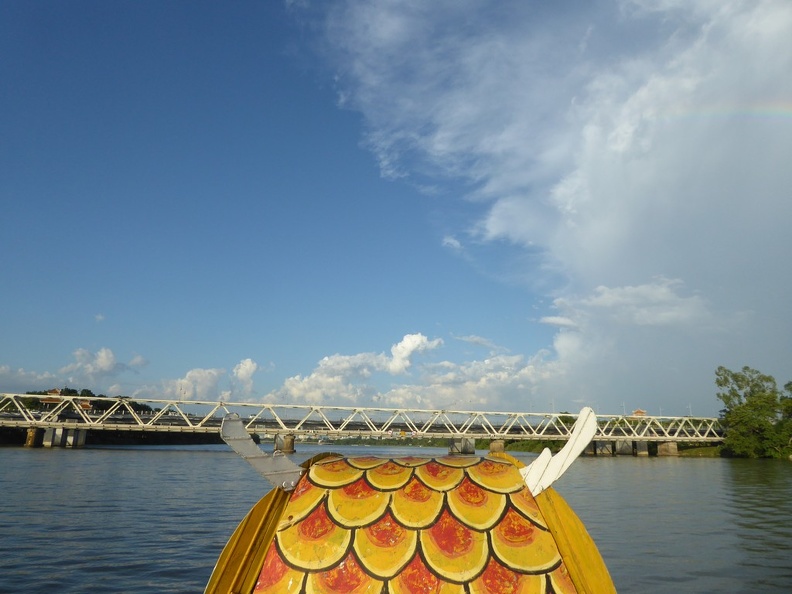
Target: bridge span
(68, 418)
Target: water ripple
(139, 520)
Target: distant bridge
(73, 415)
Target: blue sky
(469, 204)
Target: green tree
(756, 414)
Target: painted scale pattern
(413, 525)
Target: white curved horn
(545, 470)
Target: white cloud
(452, 242)
(138, 361)
(499, 382)
(243, 373)
(90, 367)
(197, 384)
(560, 321)
(402, 352)
(344, 377)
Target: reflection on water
(760, 504)
(155, 519)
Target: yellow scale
(415, 525)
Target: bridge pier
(462, 445)
(284, 444)
(62, 437)
(602, 448)
(622, 447)
(641, 448)
(35, 437)
(667, 448)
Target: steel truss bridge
(336, 422)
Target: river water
(154, 519)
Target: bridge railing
(146, 414)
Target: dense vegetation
(757, 414)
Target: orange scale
(474, 506)
(385, 547)
(458, 461)
(345, 578)
(522, 546)
(276, 577)
(335, 472)
(439, 477)
(357, 504)
(502, 477)
(526, 504)
(415, 505)
(366, 462)
(498, 579)
(389, 476)
(416, 578)
(305, 497)
(454, 551)
(561, 581)
(314, 543)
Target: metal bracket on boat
(546, 469)
(277, 469)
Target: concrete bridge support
(462, 445)
(62, 437)
(284, 443)
(667, 448)
(35, 438)
(623, 447)
(601, 448)
(631, 448)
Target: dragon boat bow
(411, 525)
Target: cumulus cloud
(95, 369)
(498, 382)
(243, 373)
(343, 378)
(197, 384)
